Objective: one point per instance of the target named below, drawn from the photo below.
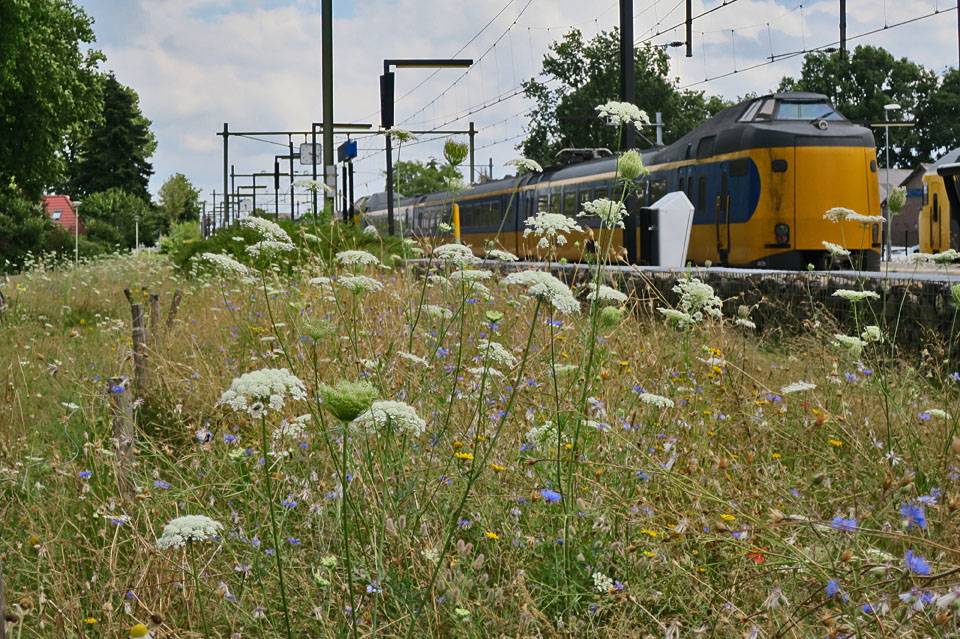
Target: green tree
(48, 87)
(110, 219)
(179, 200)
(589, 75)
(24, 228)
(116, 153)
(412, 177)
(869, 79)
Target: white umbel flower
(457, 254)
(501, 256)
(602, 582)
(414, 359)
(746, 323)
(697, 299)
(525, 164)
(656, 400)
(546, 287)
(678, 318)
(359, 283)
(936, 412)
(853, 345)
(225, 263)
(611, 213)
(495, 353)
(437, 312)
(623, 113)
(398, 416)
(865, 219)
(872, 333)
(371, 230)
(188, 528)
(550, 228)
(856, 296)
(267, 229)
(835, 250)
(838, 214)
(268, 247)
(606, 294)
(946, 257)
(257, 391)
(357, 258)
(470, 276)
(797, 387)
(313, 185)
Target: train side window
(584, 195)
(686, 155)
(766, 110)
(555, 201)
(936, 208)
(570, 201)
(702, 194)
(751, 111)
(926, 194)
(705, 147)
(602, 191)
(658, 188)
(541, 202)
(739, 168)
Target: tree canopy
(869, 79)
(48, 88)
(116, 153)
(109, 218)
(179, 200)
(412, 177)
(589, 75)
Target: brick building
(63, 212)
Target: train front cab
(939, 221)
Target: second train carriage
(938, 224)
(760, 174)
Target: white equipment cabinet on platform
(671, 222)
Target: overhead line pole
(628, 94)
(690, 28)
(329, 169)
(226, 162)
(843, 29)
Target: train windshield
(807, 111)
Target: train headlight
(782, 232)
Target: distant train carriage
(939, 220)
(760, 175)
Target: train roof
(950, 157)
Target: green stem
(346, 531)
(273, 526)
(196, 583)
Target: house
(62, 211)
(905, 225)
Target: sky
(256, 65)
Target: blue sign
(347, 150)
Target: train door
(723, 217)
(934, 220)
(950, 225)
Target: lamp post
(888, 232)
(386, 108)
(76, 233)
(136, 236)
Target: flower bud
(630, 165)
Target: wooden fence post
(141, 371)
(124, 430)
(174, 305)
(154, 317)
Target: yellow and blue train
(939, 220)
(760, 174)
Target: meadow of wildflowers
(372, 448)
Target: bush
(180, 234)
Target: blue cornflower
(916, 563)
(868, 608)
(832, 589)
(550, 496)
(374, 587)
(848, 525)
(294, 541)
(955, 376)
(913, 515)
(932, 498)
(289, 503)
(161, 484)
(83, 474)
(924, 416)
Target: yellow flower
(458, 444)
(835, 442)
(776, 455)
(649, 553)
(497, 468)
(652, 533)
(727, 517)
(139, 631)
(491, 535)
(90, 620)
(464, 455)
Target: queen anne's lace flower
(611, 213)
(606, 294)
(697, 299)
(414, 359)
(853, 345)
(267, 229)
(946, 257)
(359, 283)
(501, 256)
(188, 528)
(546, 433)
(797, 387)
(865, 219)
(744, 322)
(268, 247)
(257, 391)
(495, 353)
(550, 228)
(357, 258)
(838, 214)
(438, 312)
(525, 164)
(920, 258)
(401, 135)
(623, 113)
(470, 276)
(371, 230)
(872, 334)
(348, 399)
(313, 185)
(676, 317)
(936, 412)
(457, 254)
(398, 416)
(225, 263)
(856, 296)
(630, 165)
(835, 250)
(656, 400)
(546, 287)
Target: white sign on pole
(246, 205)
(307, 154)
